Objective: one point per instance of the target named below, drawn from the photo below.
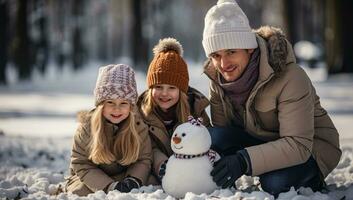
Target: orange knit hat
(168, 66)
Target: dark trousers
(227, 141)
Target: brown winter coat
(282, 109)
(87, 177)
(160, 140)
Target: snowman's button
(152, 128)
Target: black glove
(128, 184)
(228, 169)
(162, 169)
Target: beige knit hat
(227, 27)
(115, 81)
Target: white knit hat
(115, 81)
(227, 27)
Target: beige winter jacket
(87, 177)
(282, 109)
(160, 140)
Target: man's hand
(228, 169)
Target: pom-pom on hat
(115, 81)
(168, 66)
(227, 27)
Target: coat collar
(84, 117)
(150, 118)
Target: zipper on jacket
(244, 118)
(252, 101)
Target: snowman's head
(191, 138)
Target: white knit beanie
(227, 27)
(115, 81)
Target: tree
(3, 40)
(347, 16)
(139, 43)
(21, 43)
(78, 50)
(41, 43)
(339, 31)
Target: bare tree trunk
(333, 36)
(347, 16)
(339, 42)
(139, 44)
(78, 50)
(3, 41)
(21, 43)
(41, 41)
(289, 6)
(60, 41)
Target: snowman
(189, 168)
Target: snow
(307, 50)
(37, 122)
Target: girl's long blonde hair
(182, 110)
(104, 150)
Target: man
(267, 116)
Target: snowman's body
(188, 170)
(188, 175)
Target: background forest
(37, 33)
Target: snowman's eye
(183, 134)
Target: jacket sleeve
(296, 132)
(205, 119)
(142, 167)
(88, 172)
(217, 111)
(158, 158)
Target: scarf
(168, 118)
(211, 154)
(239, 90)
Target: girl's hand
(162, 169)
(127, 184)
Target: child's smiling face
(165, 96)
(116, 110)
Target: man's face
(231, 63)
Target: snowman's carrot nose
(176, 140)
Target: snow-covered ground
(37, 122)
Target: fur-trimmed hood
(272, 43)
(84, 116)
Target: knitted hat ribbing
(227, 27)
(168, 66)
(115, 81)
